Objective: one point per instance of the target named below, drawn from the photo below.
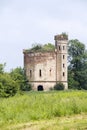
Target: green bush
(26, 87)
(8, 87)
(19, 76)
(59, 86)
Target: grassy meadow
(64, 110)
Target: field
(65, 110)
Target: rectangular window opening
(40, 73)
(63, 56)
(63, 74)
(50, 72)
(59, 48)
(30, 73)
(63, 47)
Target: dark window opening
(63, 56)
(40, 88)
(63, 65)
(40, 74)
(59, 48)
(63, 74)
(30, 73)
(63, 47)
(50, 72)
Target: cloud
(24, 22)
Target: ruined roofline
(60, 37)
(37, 51)
(63, 38)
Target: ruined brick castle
(45, 68)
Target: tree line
(16, 81)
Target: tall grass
(41, 105)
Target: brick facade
(45, 69)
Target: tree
(11, 83)
(18, 75)
(72, 83)
(8, 87)
(2, 66)
(77, 65)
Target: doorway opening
(40, 88)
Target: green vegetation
(65, 36)
(42, 48)
(77, 70)
(8, 87)
(19, 76)
(16, 81)
(63, 110)
(59, 86)
(13, 82)
(41, 106)
(78, 122)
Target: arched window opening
(40, 88)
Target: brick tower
(61, 42)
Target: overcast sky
(25, 22)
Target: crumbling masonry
(45, 69)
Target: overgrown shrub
(59, 86)
(8, 87)
(26, 87)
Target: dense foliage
(59, 86)
(13, 82)
(20, 78)
(77, 70)
(45, 47)
(8, 87)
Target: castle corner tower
(61, 42)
